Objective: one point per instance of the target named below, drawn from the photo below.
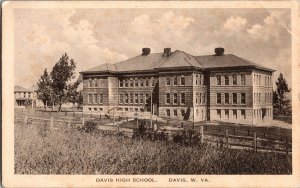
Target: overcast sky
(95, 36)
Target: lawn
(40, 150)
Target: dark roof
(227, 60)
(21, 89)
(175, 60)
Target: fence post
(51, 122)
(255, 142)
(227, 139)
(25, 119)
(202, 134)
(69, 123)
(82, 122)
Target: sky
(96, 36)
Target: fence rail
(231, 137)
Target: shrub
(89, 126)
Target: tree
(279, 96)
(74, 96)
(44, 88)
(62, 72)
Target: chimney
(219, 51)
(167, 52)
(146, 51)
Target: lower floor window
(227, 114)
(243, 114)
(175, 112)
(219, 113)
(182, 112)
(168, 112)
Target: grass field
(40, 150)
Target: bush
(89, 126)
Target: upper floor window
(96, 82)
(90, 98)
(167, 98)
(218, 98)
(234, 79)
(259, 80)
(197, 79)
(142, 82)
(182, 80)
(126, 98)
(90, 83)
(136, 82)
(201, 80)
(147, 82)
(200, 101)
(131, 82)
(131, 98)
(226, 79)
(226, 98)
(182, 98)
(218, 80)
(175, 81)
(136, 98)
(197, 98)
(141, 98)
(243, 79)
(234, 98)
(126, 82)
(121, 98)
(175, 98)
(168, 80)
(153, 81)
(121, 83)
(243, 98)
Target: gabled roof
(21, 89)
(175, 60)
(227, 60)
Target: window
(90, 98)
(90, 109)
(147, 82)
(101, 109)
(142, 82)
(167, 98)
(182, 112)
(101, 98)
(266, 96)
(218, 80)
(243, 114)
(218, 98)
(204, 97)
(95, 109)
(175, 81)
(226, 114)
(147, 98)
(90, 83)
(175, 98)
(259, 97)
(121, 98)
(153, 83)
(226, 98)
(219, 113)
(234, 98)
(141, 98)
(243, 98)
(197, 97)
(266, 80)
(126, 98)
(168, 112)
(200, 98)
(126, 109)
(121, 83)
(243, 81)
(175, 112)
(226, 79)
(234, 114)
(95, 98)
(182, 81)
(168, 80)
(136, 82)
(131, 82)
(197, 78)
(136, 98)
(234, 79)
(259, 80)
(126, 82)
(182, 98)
(96, 83)
(201, 82)
(131, 98)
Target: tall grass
(39, 150)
